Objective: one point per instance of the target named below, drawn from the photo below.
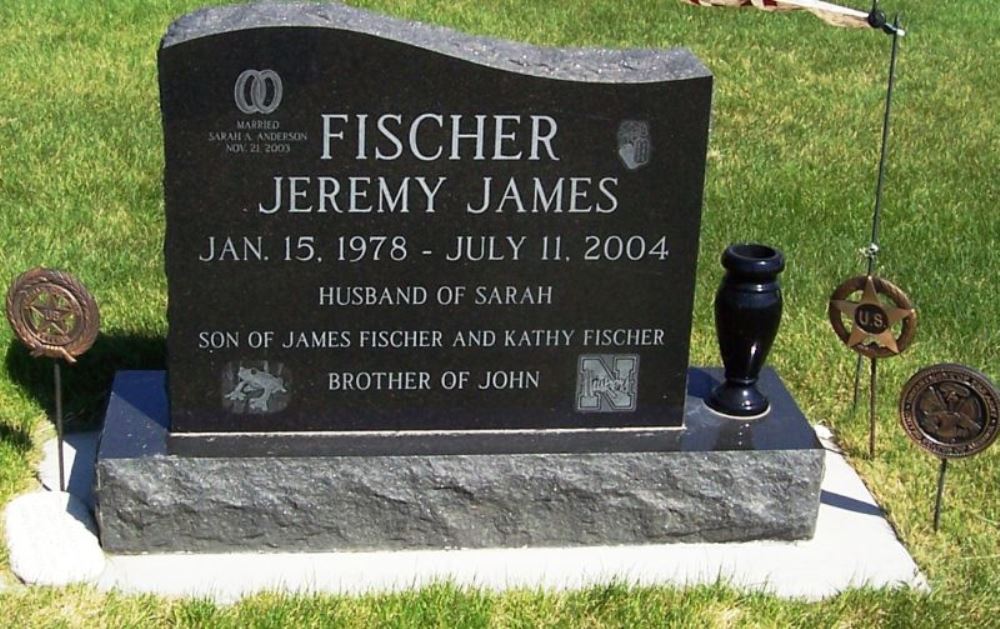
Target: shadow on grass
(85, 384)
(16, 436)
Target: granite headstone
(402, 229)
(431, 290)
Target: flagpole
(883, 155)
(877, 20)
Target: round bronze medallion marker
(871, 321)
(52, 313)
(951, 411)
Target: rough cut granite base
(717, 480)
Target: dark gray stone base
(716, 480)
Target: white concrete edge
(854, 546)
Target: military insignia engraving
(871, 321)
(634, 145)
(950, 410)
(607, 383)
(53, 314)
(256, 387)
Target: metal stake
(871, 409)
(857, 384)
(940, 494)
(57, 372)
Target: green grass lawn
(792, 160)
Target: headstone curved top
(375, 225)
(573, 64)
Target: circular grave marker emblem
(950, 410)
(52, 313)
(872, 320)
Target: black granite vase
(747, 314)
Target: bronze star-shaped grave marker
(872, 324)
(54, 315)
(872, 321)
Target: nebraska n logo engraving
(607, 383)
(257, 91)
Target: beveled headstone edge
(572, 64)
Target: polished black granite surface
(315, 156)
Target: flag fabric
(827, 11)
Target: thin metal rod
(871, 408)
(57, 373)
(940, 494)
(857, 384)
(883, 156)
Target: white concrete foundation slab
(52, 539)
(79, 454)
(853, 546)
